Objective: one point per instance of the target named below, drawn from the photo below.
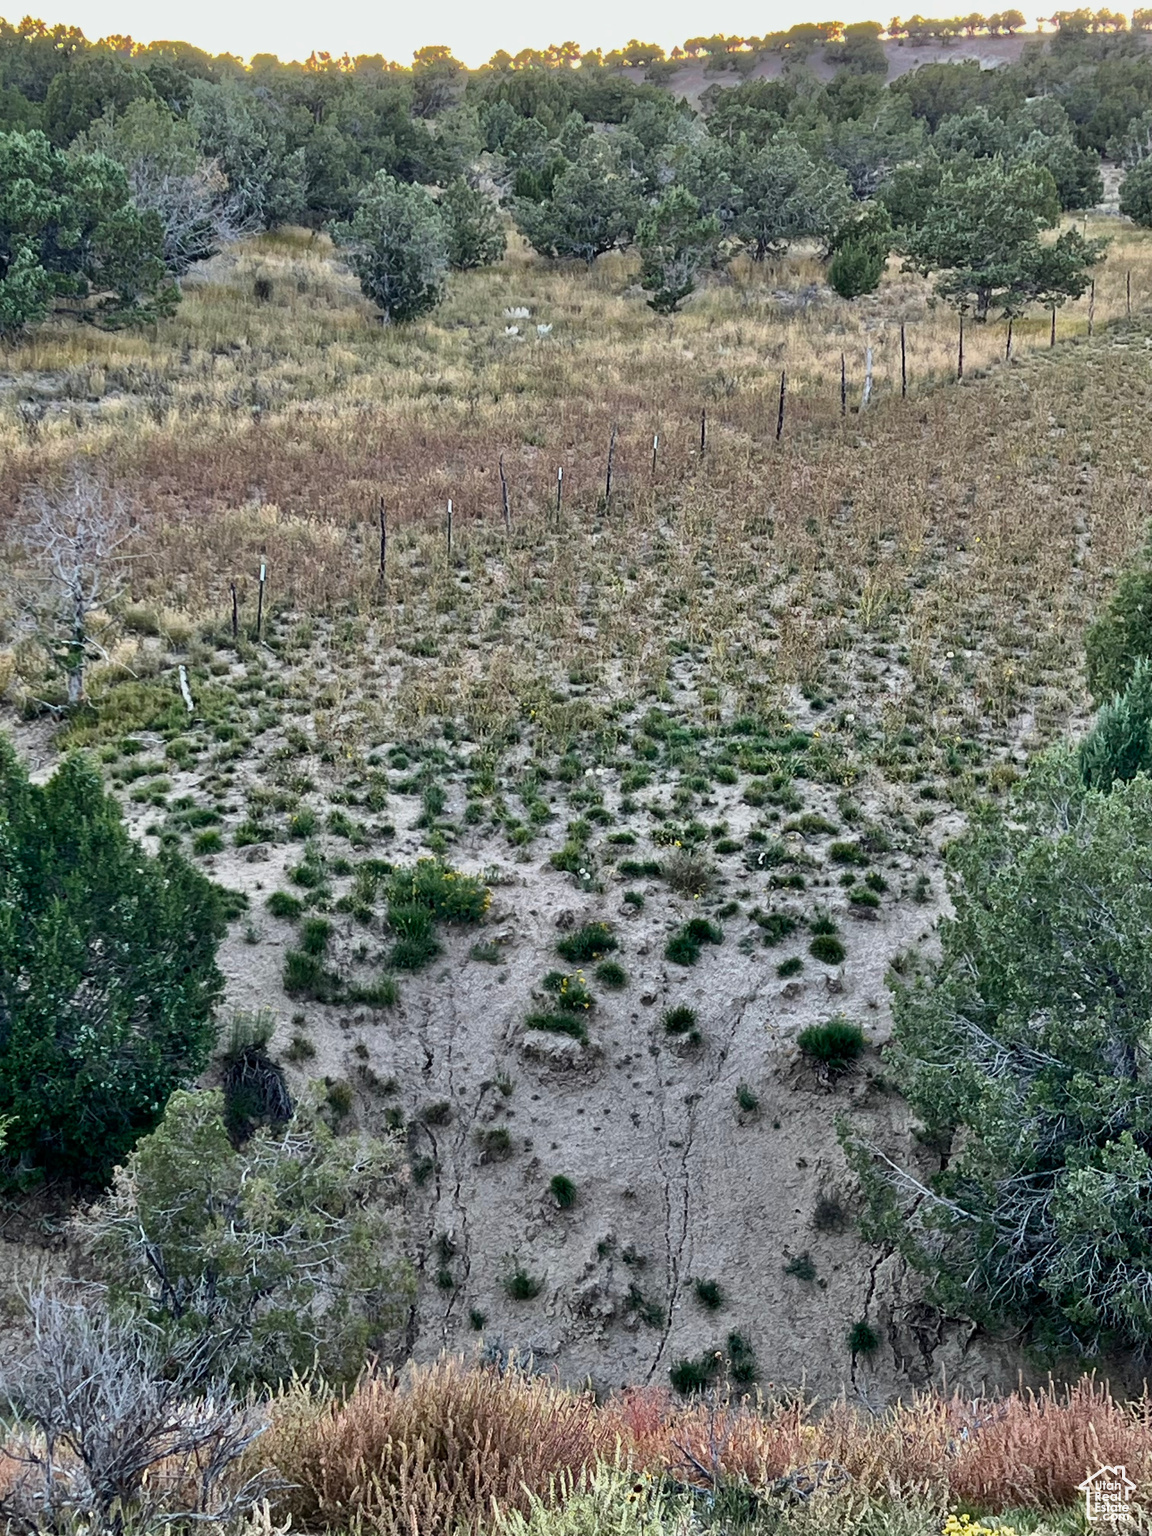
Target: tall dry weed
(431, 1451)
(1027, 1450)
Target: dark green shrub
(776, 925)
(207, 842)
(828, 1215)
(587, 943)
(639, 869)
(108, 976)
(437, 1113)
(836, 1045)
(634, 899)
(680, 1021)
(741, 1359)
(650, 1313)
(702, 931)
(1122, 634)
(801, 1267)
(305, 976)
(863, 1338)
(519, 1285)
(283, 904)
(340, 1098)
(708, 1294)
(563, 1191)
(558, 1024)
(1119, 745)
(790, 967)
(314, 935)
(1136, 194)
(309, 873)
(856, 268)
(495, 1144)
(682, 949)
(610, 974)
(747, 1100)
(689, 1376)
(827, 948)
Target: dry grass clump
(1027, 1450)
(440, 1450)
(432, 1451)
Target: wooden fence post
(843, 386)
(383, 538)
(703, 430)
(1052, 334)
(235, 613)
(903, 364)
(449, 528)
(504, 498)
(608, 475)
(260, 600)
(780, 408)
(1008, 343)
(1092, 307)
(655, 449)
(559, 488)
(960, 353)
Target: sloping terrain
(754, 691)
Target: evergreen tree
(1136, 194)
(68, 227)
(1123, 632)
(982, 231)
(675, 242)
(278, 1247)
(108, 974)
(1023, 1053)
(398, 248)
(472, 224)
(1119, 746)
(593, 208)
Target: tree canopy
(108, 976)
(68, 228)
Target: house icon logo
(1108, 1499)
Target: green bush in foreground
(108, 976)
(1023, 1051)
(278, 1248)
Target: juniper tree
(108, 976)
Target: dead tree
(118, 1428)
(74, 538)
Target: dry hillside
(755, 691)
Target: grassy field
(732, 713)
